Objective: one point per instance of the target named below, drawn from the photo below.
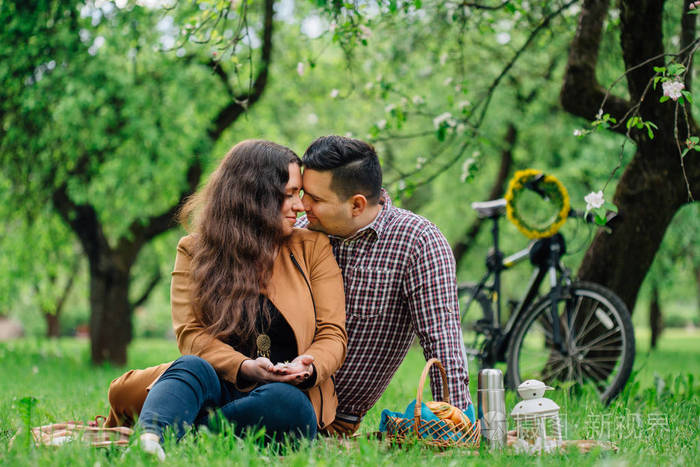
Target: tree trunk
(110, 312)
(110, 265)
(646, 202)
(655, 318)
(652, 187)
(53, 325)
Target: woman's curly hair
(237, 225)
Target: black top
(283, 345)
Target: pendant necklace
(263, 341)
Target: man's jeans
(190, 390)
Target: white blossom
(365, 32)
(502, 38)
(334, 93)
(466, 169)
(389, 108)
(300, 68)
(578, 132)
(381, 124)
(673, 89)
(594, 200)
(417, 100)
(444, 118)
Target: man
(399, 276)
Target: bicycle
(594, 338)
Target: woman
(249, 293)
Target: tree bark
(52, 311)
(655, 317)
(110, 311)
(652, 187)
(53, 325)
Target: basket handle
(421, 384)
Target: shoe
(150, 444)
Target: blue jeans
(190, 390)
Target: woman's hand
(301, 368)
(258, 370)
(261, 370)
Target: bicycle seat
(492, 208)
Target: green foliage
(26, 407)
(412, 77)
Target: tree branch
(82, 218)
(240, 104)
(222, 74)
(581, 92)
(480, 6)
(688, 22)
(489, 93)
(142, 231)
(641, 35)
(463, 246)
(147, 292)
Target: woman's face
(291, 205)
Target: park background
(113, 112)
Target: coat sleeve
(192, 338)
(330, 339)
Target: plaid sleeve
(302, 222)
(431, 289)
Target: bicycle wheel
(475, 315)
(597, 335)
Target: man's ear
(358, 204)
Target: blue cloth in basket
(427, 415)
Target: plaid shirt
(399, 276)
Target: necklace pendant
(263, 343)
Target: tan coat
(325, 339)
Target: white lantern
(538, 428)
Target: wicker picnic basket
(434, 433)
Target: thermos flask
(492, 407)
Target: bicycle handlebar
(534, 185)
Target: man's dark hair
(353, 163)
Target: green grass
(654, 421)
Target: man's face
(325, 211)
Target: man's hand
(261, 370)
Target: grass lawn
(655, 420)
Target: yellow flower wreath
(556, 194)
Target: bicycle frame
(496, 264)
